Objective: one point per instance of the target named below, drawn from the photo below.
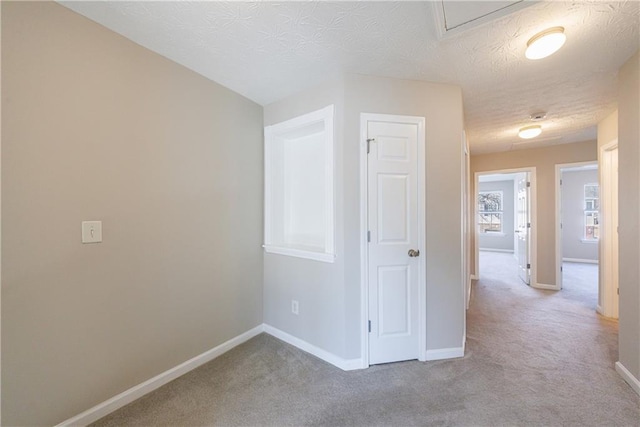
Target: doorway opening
(505, 221)
(608, 284)
(578, 231)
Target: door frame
(466, 224)
(558, 216)
(607, 292)
(533, 209)
(364, 228)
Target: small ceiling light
(529, 132)
(545, 43)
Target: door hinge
(561, 269)
(529, 266)
(528, 184)
(369, 325)
(369, 141)
(368, 236)
(560, 182)
(560, 226)
(528, 225)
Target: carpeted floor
(533, 358)
(580, 283)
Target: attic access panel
(462, 15)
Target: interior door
(523, 228)
(393, 241)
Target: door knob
(414, 253)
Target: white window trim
(501, 212)
(324, 115)
(299, 253)
(593, 241)
(586, 211)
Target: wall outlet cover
(91, 231)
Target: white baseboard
(105, 408)
(581, 260)
(628, 377)
(507, 251)
(445, 353)
(352, 365)
(545, 286)
(344, 364)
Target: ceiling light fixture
(545, 43)
(529, 132)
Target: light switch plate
(91, 231)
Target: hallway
(533, 358)
(539, 328)
(553, 344)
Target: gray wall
(629, 213)
(544, 160)
(572, 202)
(502, 241)
(441, 105)
(319, 287)
(97, 127)
(329, 294)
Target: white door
(393, 243)
(523, 228)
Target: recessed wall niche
(299, 216)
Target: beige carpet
(533, 358)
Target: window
(591, 214)
(299, 187)
(490, 211)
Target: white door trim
(466, 224)
(364, 227)
(533, 214)
(558, 218)
(608, 292)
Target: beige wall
(629, 214)
(99, 128)
(608, 129)
(544, 160)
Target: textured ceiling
(267, 51)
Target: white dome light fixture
(529, 132)
(545, 43)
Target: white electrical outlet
(294, 306)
